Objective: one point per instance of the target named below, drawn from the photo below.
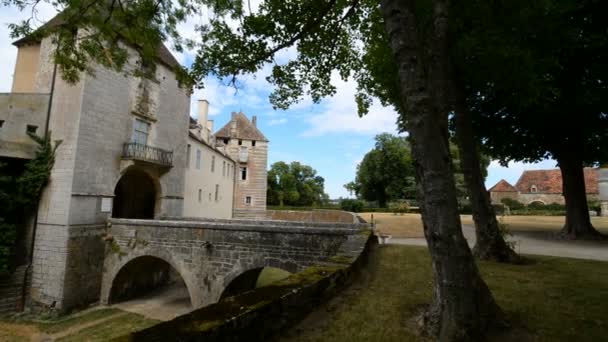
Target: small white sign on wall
(106, 204)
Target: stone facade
(245, 144)
(94, 119)
(542, 186)
(210, 173)
(603, 190)
(20, 112)
(209, 254)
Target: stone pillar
(603, 186)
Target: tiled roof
(550, 181)
(163, 54)
(503, 186)
(244, 129)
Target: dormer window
(533, 189)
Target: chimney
(233, 116)
(203, 109)
(254, 121)
(210, 125)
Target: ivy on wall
(19, 196)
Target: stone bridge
(209, 254)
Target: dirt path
(530, 243)
(163, 304)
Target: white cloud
(277, 122)
(339, 115)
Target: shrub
(353, 205)
(512, 203)
(555, 207)
(536, 205)
(399, 207)
(594, 205)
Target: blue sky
(328, 136)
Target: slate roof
(163, 54)
(550, 181)
(503, 186)
(244, 129)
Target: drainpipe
(35, 224)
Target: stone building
(542, 186)
(122, 154)
(210, 172)
(245, 144)
(129, 150)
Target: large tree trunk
(578, 224)
(490, 244)
(463, 307)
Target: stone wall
(17, 111)
(209, 254)
(312, 216)
(260, 314)
(256, 183)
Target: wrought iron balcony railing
(147, 153)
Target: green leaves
(19, 195)
(295, 184)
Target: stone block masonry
(209, 254)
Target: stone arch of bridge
(163, 257)
(246, 275)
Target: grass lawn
(270, 275)
(90, 325)
(410, 225)
(553, 299)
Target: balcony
(154, 155)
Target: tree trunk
(578, 224)
(490, 244)
(463, 307)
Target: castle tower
(249, 148)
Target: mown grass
(410, 225)
(270, 275)
(111, 328)
(112, 323)
(551, 299)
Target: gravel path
(533, 244)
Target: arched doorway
(152, 287)
(254, 278)
(134, 196)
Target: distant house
(543, 186)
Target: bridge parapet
(209, 253)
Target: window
(240, 142)
(243, 173)
(212, 163)
(226, 141)
(223, 169)
(209, 197)
(141, 130)
(188, 152)
(1, 123)
(533, 189)
(248, 200)
(31, 129)
(217, 192)
(253, 143)
(200, 195)
(198, 159)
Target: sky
(329, 136)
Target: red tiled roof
(503, 186)
(550, 181)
